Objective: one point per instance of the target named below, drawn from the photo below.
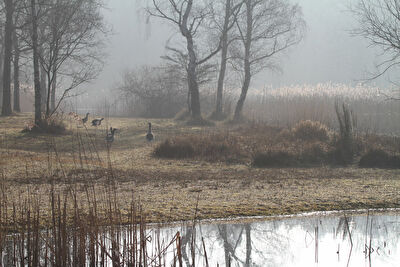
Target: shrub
(215, 147)
(378, 158)
(274, 159)
(315, 153)
(176, 149)
(53, 125)
(310, 131)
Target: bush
(215, 147)
(175, 149)
(314, 154)
(310, 131)
(53, 125)
(378, 158)
(274, 159)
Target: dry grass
(168, 188)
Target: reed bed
(76, 238)
(375, 111)
(62, 229)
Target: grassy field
(79, 165)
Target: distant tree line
(58, 41)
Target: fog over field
(328, 53)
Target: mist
(328, 53)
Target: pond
(316, 239)
(322, 240)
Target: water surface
(333, 240)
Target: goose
(110, 136)
(149, 135)
(97, 122)
(85, 119)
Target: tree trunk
(193, 86)
(243, 94)
(247, 64)
(226, 244)
(192, 81)
(222, 70)
(248, 245)
(17, 106)
(53, 91)
(6, 106)
(43, 85)
(38, 112)
(1, 71)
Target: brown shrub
(316, 153)
(177, 148)
(274, 159)
(214, 147)
(378, 158)
(53, 125)
(310, 131)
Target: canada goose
(97, 122)
(85, 119)
(110, 136)
(149, 135)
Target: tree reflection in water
(335, 240)
(291, 242)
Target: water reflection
(352, 240)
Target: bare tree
(72, 36)
(17, 107)
(266, 28)
(34, 36)
(8, 32)
(178, 60)
(232, 9)
(379, 23)
(20, 23)
(189, 17)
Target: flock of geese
(110, 135)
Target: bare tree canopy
(266, 28)
(72, 35)
(189, 17)
(225, 24)
(379, 22)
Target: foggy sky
(328, 52)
